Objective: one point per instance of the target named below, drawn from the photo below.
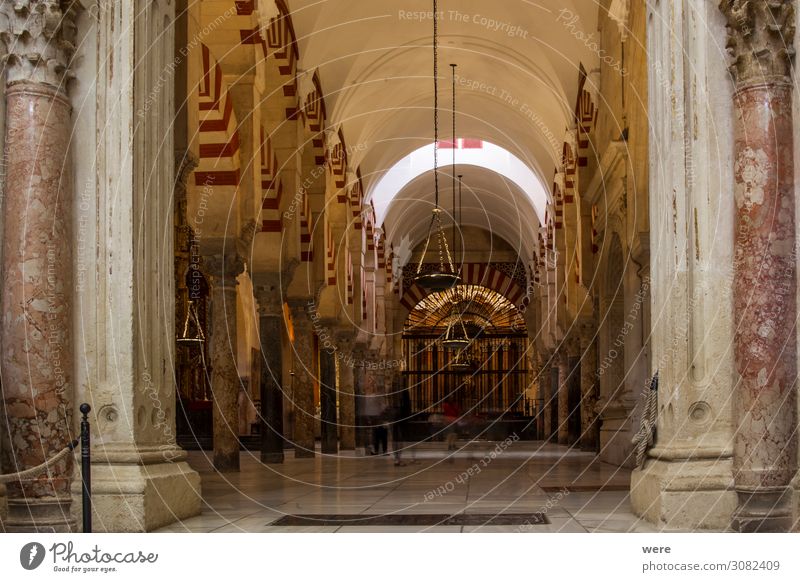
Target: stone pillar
(563, 395)
(765, 283)
(270, 329)
(37, 357)
(346, 389)
(589, 429)
(687, 479)
(222, 270)
(304, 374)
(329, 430)
(361, 429)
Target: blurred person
(451, 413)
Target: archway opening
(488, 381)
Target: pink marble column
(36, 304)
(765, 310)
(222, 271)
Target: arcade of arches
(214, 212)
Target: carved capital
(39, 38)
(223, 268)
(587, 334)
(248, 233)
(760, 40)
(270, 291)
(303, 310)
(185, 163)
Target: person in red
(451, 414)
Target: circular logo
(31, 555)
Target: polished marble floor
(573, 490)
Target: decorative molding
(760, 40)
(39, 38)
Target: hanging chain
(455, 140)
(436, 102)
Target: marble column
(327, 401)
(589, 429)
(37, 357)
(765, 282)
(563, 395)
(346, 390)
(304, 375)
(271, 329)
(222, 271)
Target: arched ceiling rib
(519, 60)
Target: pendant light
(192, 331)
(444, 275)
(455, 338)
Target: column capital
(587, 332)
(39, 37)
(760, 40)
(302, 309)
(185, 163)
(223, 268)
(270, 300)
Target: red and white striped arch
(306, 243)
(271, 186)
(218, 135)
(473, 274)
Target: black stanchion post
(86, 469)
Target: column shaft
(346, 390)
(271, 332)
(765, 343)
(760, 37)
(36, 304)
(563, 397)
(327, 401)
(589, 433)
(304, 375)
(224, 376)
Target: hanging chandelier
(444, 275)
(192, 330)
(456, 337)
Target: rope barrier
(20, 475)
(645, 438)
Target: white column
(140, 478)
(687, 482)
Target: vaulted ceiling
(518, 70)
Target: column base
(764, 510)
(43, 515)
(226, 462)
(682, 493)
(139, 489)
(3, 507)
(615, 442)
(304, 453)
(272, 458)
